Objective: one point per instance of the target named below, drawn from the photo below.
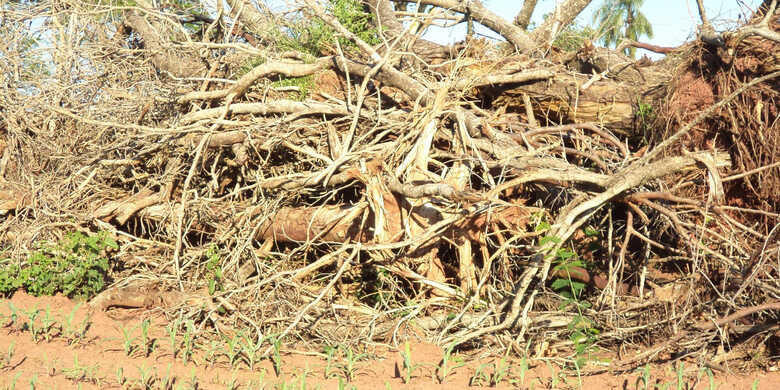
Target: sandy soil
(98, 360)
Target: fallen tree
(354, 161)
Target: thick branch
(514, 34)
(523, 17)
(564, 14)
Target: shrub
(76, 266)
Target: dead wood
(463, 185)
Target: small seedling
(172, 329)
(147, 378)
(188, 338)
(211, 352)
(350, 363)
(480, 375)
(128, 341)
(147, 343)
(14, 314)
(448, 364)
(30, 325)
(330, 354)
(166, 382)
(234, 349)
(500, 371)
(8, 356)
(523, 369)
(680, 376)
(251, 350)
(408, 366)
(48, 328)
(276, 356)
(120, 377)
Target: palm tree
(619, 19)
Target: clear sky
(673, 21)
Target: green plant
(582, 331)
(408, 366)
(79, 372)
(500, 371)
(330, 354)
(76, 266)
(48, 325)
(5, 361)
(147, 379)
(251, 349)
(303, 85)
(276, 355)
(234, 349)
(310, 36)
(128, 341)
(120, 377)
(214, 270)
(480, 375)
(30, 324)
(349, 368)
(188, 338)
(147, 343)
(444, 366)
(172, 330)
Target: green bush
(76, 266)
(313, 36)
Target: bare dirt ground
(69, 346)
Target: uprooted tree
(346, 175)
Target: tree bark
(563, 16)
(523, 17)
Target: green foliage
(214, 270)
(76, 266)
(573, 37)
(310, 36)
(304, 84)
(619, 19)
(582, 330)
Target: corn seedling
(350, 363)
(30, 325)
(8, 356)
(233, 384)
(408, 366)
(72, 333)
(120, 377)
(680, 376)
(79, 372)
(211, 352)
(193, 381)
(172, 329)
(480, 376)
(644, 379)
(147, 379)
(128, 341)
(166, 382)
(330, 354)
(523, 369)
(14, 314)
(48, 323)
(500, 371)
(188, 338)
(251, 350)
(234, 349)
(448, 364)
(147, 343)
(276, 355)
(33, 381)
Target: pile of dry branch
(372, 188)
